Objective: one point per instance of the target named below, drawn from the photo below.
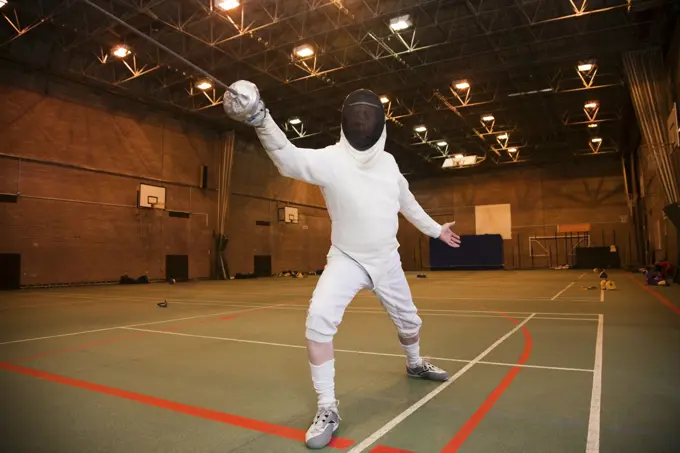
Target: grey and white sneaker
(427, 371)
(326, 422)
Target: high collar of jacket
(365, 159)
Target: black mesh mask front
(363, 119)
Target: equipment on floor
(163, 304)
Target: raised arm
(307, 165)
(414, 213)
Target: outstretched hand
(448, 237)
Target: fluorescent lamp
(384, 99)
(204, 85)
(400, 23)
(304, 51)
(585, 67)
(420, 128)
(502, 137)
(462, 85)
(121, 51)
(441, 144)
(592, 125)
(3, 3)
(294, 121)
(596, 139)
(591, 105)
(226, 5)
(458, 156)
(487, 118)
(512, 150)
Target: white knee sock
(412, 354)
(323, 378)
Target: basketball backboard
(151, 196)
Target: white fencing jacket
(364, 192)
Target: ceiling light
(462, 85)
(400, 23)
(592, 125)
(591, 105)
(226, 5)
(502, 137)
(585, 67)
(441, 144)
(458, 156)
(121, 51)
(3, 3)
(384, 99)
(294, 121)
(512, 150)
(596, 139)
(204, 85)
(488, 118)
(304, 51)
(420, 128)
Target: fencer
(364, 192)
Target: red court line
(470, 425)
(660, 297)
(208, 414)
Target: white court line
(306, 297)
(50, 304)
(601, 295)
(593, 442)
(351, 351)
(135, 325)
(566, 288)
(581, 276)
(370, 440)
(284, 306)
(377, 311)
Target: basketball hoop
(157, 205)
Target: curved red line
(470, 425)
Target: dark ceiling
(519, 57)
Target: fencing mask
(363, 119)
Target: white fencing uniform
(364, 192)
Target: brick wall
(258, 191)
(77, 157)
(84, 155)
(81, 161)
(591, 191)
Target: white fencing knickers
(342, 279)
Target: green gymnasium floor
(538, 364)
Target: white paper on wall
(494, 219)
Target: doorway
(262, 265)
(10, 277)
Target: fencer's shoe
(326, 422)
(427, 371)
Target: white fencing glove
(247, 107)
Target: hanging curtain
(224, 190)
(649, 90)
